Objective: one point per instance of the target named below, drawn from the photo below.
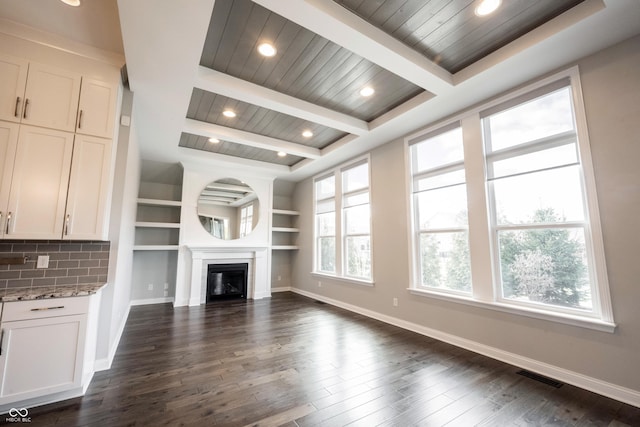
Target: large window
(504, 209)
(440, 204)
(537, 202)
(344, 220)
(325, 195)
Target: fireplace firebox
(226, 281)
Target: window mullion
(479, 232)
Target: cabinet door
(12, 84)
(96, 112)
(8, 144)
(51, 97)
(39, 185)
(41, 356)
(86, 214)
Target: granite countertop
(45, 292)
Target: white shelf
(158, 224)
(155, 248)
(284, 247)
(285, 212)
(285, 229)
(158, 202)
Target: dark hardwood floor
(292, 361)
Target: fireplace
(226, 281)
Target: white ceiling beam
(233, 87)
(247, 138)
(335, 23)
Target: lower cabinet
(43, 347)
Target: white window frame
(340, 273)
(431, 172)
(486, 288)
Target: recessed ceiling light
(229, 113)
(214, 140)
(74, 3)
(267, 49)
(367, 91)
(307, 134)
(281, 154)
(485, 7)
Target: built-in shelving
(283, 230)
(285, 212)
(157, 225)
(157, 202)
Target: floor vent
(540, 378)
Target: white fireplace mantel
(201, 257)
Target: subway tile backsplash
(70, 263)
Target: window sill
(350, 280)
(583, 322)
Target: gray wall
(611, 87)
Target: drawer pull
(26, 105)
(1, 341)
(47, 308)
(15, 113)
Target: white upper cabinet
(39, 186)
(12, 85)
(51, 97)
(96, 112)
(8, 144)
(88, 189)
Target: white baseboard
(105, 363)
(623, 394)
(281, 289)
(149, 301)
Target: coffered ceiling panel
(208, 107)
(306, 66)
(448, 31)
(202, 143)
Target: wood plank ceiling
(310, 70)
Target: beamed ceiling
(188, 61)
(316, 82)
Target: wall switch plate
(43, 261)
(125, 120)
(395, 302)
(150, 286)
(166, 286)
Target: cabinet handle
(15, 113)
(66, 224)
(80, 120)
(48, 308)
(8, 222)
(1, 340)
(26, 104)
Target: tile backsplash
(70, 263)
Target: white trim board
(622, 394)
(148, 301)
(105, 363)
(282, 289)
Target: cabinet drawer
(39, 309)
